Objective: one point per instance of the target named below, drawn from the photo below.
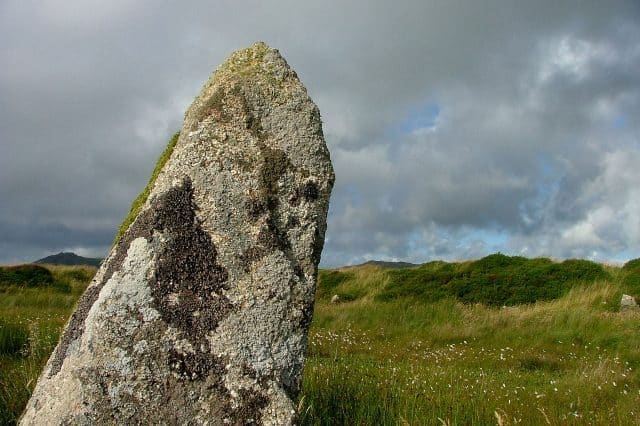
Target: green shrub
(631, 277)
(631, 282)
(25, 275)
(14, 339)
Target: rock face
(629, 304)
(200, 313)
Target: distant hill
(66, 258)
(384, 264)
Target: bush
(427, 283)
(25, 275)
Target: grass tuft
(14, 338)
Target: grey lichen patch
(75, 327)
(141, 227)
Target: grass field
(571, 360)
(32, 315)
(392, 353)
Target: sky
(456, 128)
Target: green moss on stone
(142, 198)
(246, 62)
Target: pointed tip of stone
(257, 68)
(251, 60)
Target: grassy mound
(631, 279)
(25, 275)
(495, 280)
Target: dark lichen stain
(270, 238)
(308, 191)
(194, 365)
(188, 283)
(248, 410)
(187, 268)
(275, 164)
(187, 287)
(307, 316)
(272, 235)
(215, 106)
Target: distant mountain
(69, 259)
(385, 264)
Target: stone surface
(200, 313)
(629, 304)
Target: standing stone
(200, 313)
(629, 304)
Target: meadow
(502, 340)
(35, 303)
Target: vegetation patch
(31, 318)
(632, 265)
(142, 198)
(571, 360)
(25, 275)
(495, 280)
(329, 282)
(631, 278)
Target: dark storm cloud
(456, 128)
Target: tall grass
(13, 338)
(31, 319)
(570, 360)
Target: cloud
(456, 128)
